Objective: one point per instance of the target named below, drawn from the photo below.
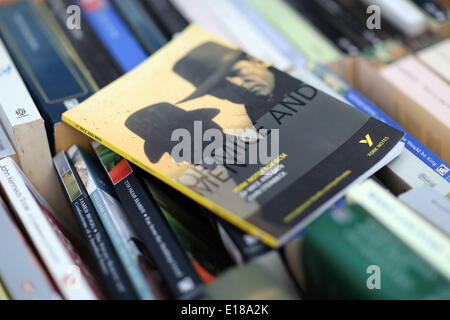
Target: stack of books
(226, 149)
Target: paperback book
(141, 23)
(113, 32)
(113, 218)
(431, 244)
(59, 257)
(30, 281)
(36, 46)
(348, 254)
(415, 167)
(94, 55)
(432, 206)
(150, 225)
(104, 257)
(271, 197)
(25, 129)
(167, 16)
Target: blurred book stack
(226, 149)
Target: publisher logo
(442, 170)
(21, 113)
(367, 140)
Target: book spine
(241, 247)
(196, 13)
(423, 107)
(113, 32)
(87, 45)
(437, 58)
(347, 254)
(150, 225)
(140, 22)
(113, 220)
(107, 263)
(18, 106)
(421, 152)
(30, 281)
(433, 9)
(33, 45)
(249, 38)
(419, 235)
(431, 205)
(295, 57)
(330, 13)
(339, 39)
(53, 247)
(167, 16)
(291, 24)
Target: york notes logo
(367, 140)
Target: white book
(431, 205)
(6, 148)
(195, 12)
(56, 252)
(247, 36)
(25, 128)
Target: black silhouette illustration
(234, 76)
(216, 70)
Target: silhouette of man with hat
(216, 70)
(155, 124)
(233, 75)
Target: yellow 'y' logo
(368, 140)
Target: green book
(295, 28)
(348, 254)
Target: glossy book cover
(275, 153)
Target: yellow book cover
(3, 294)
(261, 149)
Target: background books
(402, 70)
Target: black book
(241, 246)
(105, 258)
(150, 225)
(102, 67)
(167, 16)
(329, 13)
(344, 43)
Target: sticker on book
(186, 285)
(117, 167)
(71, 103)
(68, 178)
(442, 170)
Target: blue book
(113, 32)
(140, 22)
(56, 80)
(440, 172)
